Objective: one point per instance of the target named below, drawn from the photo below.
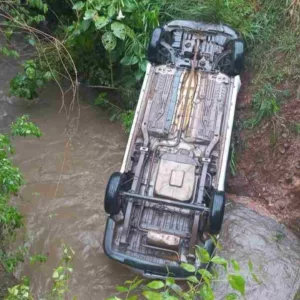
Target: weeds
(61, 275)
(233, 160)
(266, 103)
(60, 279)
(11, 181)
(199, 283)
(116, 112)
(20, 291)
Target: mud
(62, 202)
(268, 169)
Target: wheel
(154, 44)
(237, 48)
(112, 200)
(217, 210)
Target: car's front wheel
(112, 200)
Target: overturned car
(169, 194)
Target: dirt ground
(268, 171)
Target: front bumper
(147, 269)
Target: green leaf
(155, 285)
(193, 279)
(216, 242)
(170, 281)
(55, 275)
(78, 5)
(202, 254)
(89, 14)
(220, 261)
(255, 278)
(206, 292)
(121, 289)
(177, 289)
(152, 295)
(237, 282)
(100, 22)
(139, 75)
(111, 10)
(129, 60)
(119, 30)
(250, 266)
(32, 41)
(30, 72)
(85, 24)
(231, 296)
(109, 41)
(143, 65)
(48, 76)
(205, 273)
(235, 265)
(136, 284)
(188, 267)
(134, 297)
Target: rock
(284, 135)
(281, 150)
(273, 250)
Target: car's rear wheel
(112, 200)
(217, 210)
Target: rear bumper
(147, 269)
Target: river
(62, 202)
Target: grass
(266, 103)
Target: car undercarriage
(169, 196)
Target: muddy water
(72, 212)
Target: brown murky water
(72, 212)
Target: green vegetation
(199, 283)
(266, 103)
(104, 42)
(11, 181)
(60, 281)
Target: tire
(237, 46)
(154, 44)
(112, 200)
(217, 210)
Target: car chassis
(169, 194)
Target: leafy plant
(20, 291)
(10, 182)
(61, 275)
(199, 283)
(37, 258)
(26, 84)
(115, 111)
(266, 103)
(23, 127)
(11, 260)
(60, 279)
